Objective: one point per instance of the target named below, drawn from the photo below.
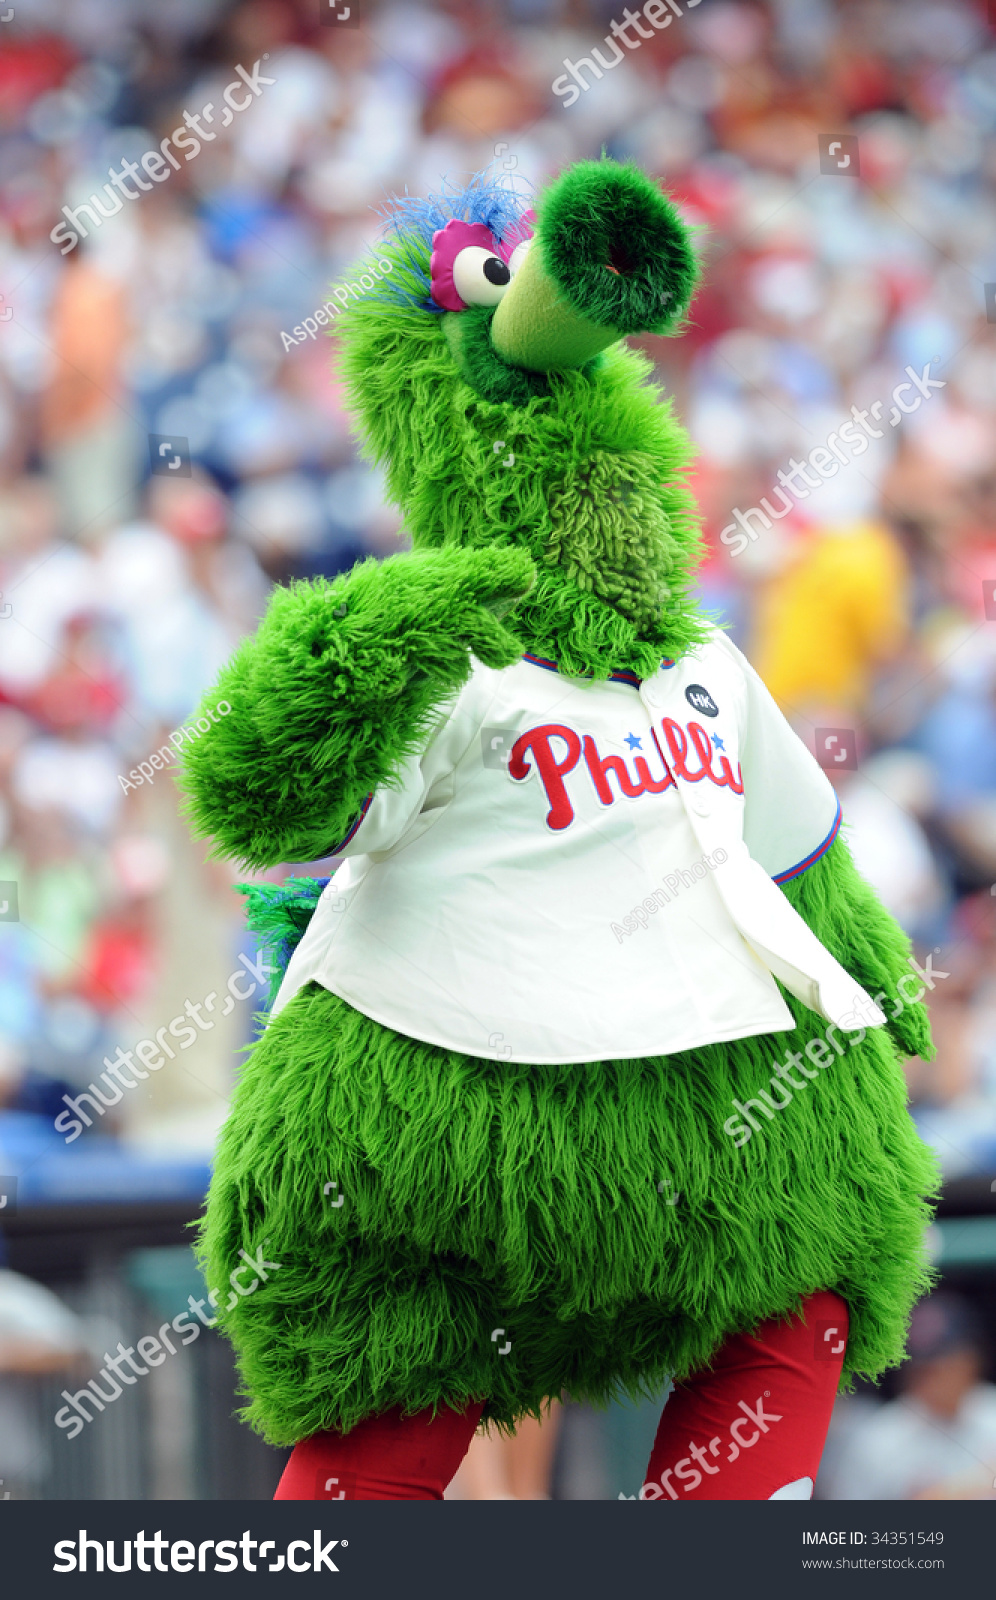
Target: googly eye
(480, 278)
(518, 256)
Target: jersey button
(700, 803)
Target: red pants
(750, 1428)
(754, 1425)
(382, 1458)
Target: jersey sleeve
(390, 813)
(791, 811)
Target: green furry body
(596, 494)
(480, 1194)
(591, 535)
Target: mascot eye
(480, 278)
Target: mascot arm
(790, 813)
(847, 916)
(340, 685)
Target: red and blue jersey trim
(337, 848)
(622, 676)
(541, 661)
(821, 850)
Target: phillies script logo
(690, 756)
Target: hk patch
(701, 700)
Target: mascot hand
(339, 685)
(413, 621)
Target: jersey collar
(622, 676)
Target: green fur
(468, 337)
(596, 497)
(599, 215)
(342, 681)
(278, 914)
(481, 1194)
(848, 917)
(596, 494)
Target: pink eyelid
(456, 236)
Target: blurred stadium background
(870, 606)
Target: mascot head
(488, 376)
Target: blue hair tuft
(411, 220)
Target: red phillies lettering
(599, 766)
(684, 745)
(551, 771)
(677, 743)
(707, 755)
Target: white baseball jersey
(579, 871)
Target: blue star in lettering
(717, 741)
(633, 742)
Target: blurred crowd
(868, 601)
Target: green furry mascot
(518, 1125)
